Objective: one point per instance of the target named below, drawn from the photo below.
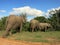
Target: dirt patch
(4, 41)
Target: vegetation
(51, 36)
(37, 36)
(55, 19)
(41, 19)
(2, 23)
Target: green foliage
(55, 20)
(26, 26)
(41, 19)
(2, 23)
(37, 36)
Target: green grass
(1, 32)
(36, 36)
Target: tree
(2, 23)
(55, 18)
(41, 19)
(26, 26)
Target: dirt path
(4, 41)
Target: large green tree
(55, 18)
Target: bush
(2, 23)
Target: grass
(35, 36)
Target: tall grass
(37, 36)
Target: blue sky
(43, 5)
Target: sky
(8, 6)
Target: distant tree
(41, 19)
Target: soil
(5, 41)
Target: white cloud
(1, 16)
(2, 10)
(28, 10)
(51, 11)
(33, 12)
(2, 13)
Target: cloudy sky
(31, 7)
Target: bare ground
(4, 41)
